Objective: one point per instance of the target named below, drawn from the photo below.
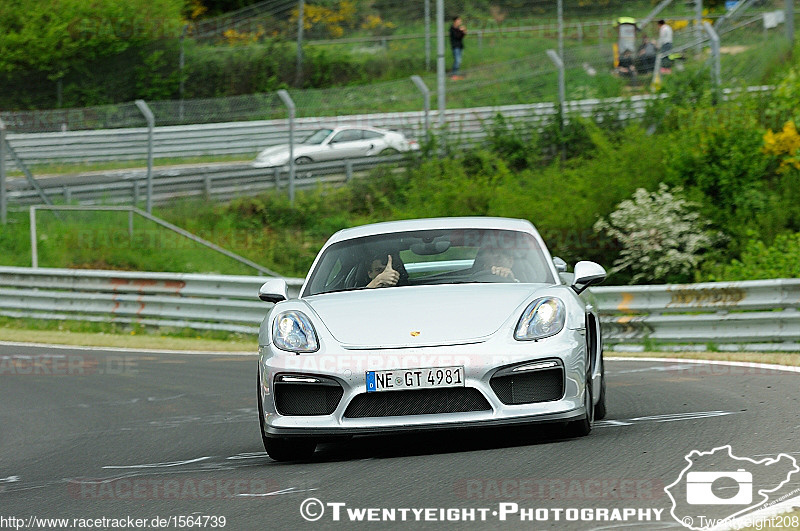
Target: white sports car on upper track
(336, 143)
(426, 324)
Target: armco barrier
(203, 302)
(748, 312)
(760, 314)
(247, 138)
(217, 181)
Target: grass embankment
(88, 334)
(774, 358)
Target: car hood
(419, 316)
(273, 150)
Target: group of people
(629, 65)
(645, 58)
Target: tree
(49, 35)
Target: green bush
(761, 261)
(717, 157)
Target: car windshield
(317, 136)
(432, 257)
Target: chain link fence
(747, 37)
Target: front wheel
(303, 160)
(581, 428)
(389, 151)
(294, 449)
(600, 410)
(280, 449)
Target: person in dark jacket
(457, 33)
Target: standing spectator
(457, 33)
(645, 55)
(664, 44)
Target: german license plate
(403, 379)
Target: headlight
(293, 331)
(273, 159)
(542, 318)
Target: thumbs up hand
(388, 277)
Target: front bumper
(480, 361)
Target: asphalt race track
(94, 434)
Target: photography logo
(717, 486)
(699, 492)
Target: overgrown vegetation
(67, 53)
(738, 177)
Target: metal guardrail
(748, 312)
(759, 315)
(202, 302)
(224, 181)
(218, 181)
(247, 138)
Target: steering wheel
(488, 276)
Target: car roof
(347, 126)
(474, 222)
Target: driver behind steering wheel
(497, 262)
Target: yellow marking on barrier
(627, 299)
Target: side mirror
(587, 274)
(561, 265)
(274, 290)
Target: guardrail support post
(348, 170)
(207, 187)
(276, 173)
(135, 188)
(426, 95)
(151, 122)
(715, 69)
(287, 100)
(3, 196)
(790, 23)
(67, 195)
(34, 247)
(130, 224)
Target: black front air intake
(417, 402)
(529, 383)
(304, 395)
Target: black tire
(600, 410)
(582, 427)
(303, 160)
(389, 151)
(280, 449)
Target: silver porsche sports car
(336, 143)
(429, 324)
